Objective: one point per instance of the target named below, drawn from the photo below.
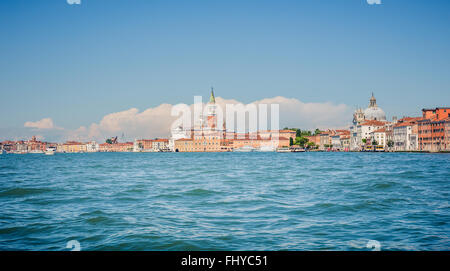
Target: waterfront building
(116, 147)
(160, 145)
(379, 136)
(339, 140)
(259, 142)
(360, 137)
(207, 136)
(325, 140)
(365, 122)
(9, 146)
(74, 147)
(406, 134)
(314, 139)
(92, 146)
(287, 134)
(143, 145)
(336, 144)
(21, 147)
(345, 142)
(35, 145)
(433, 129)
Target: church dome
(373, 112)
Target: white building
(336, 142)
(380, 137)
(406, 136)
(92, 146)
(364, 123)
(159, 145)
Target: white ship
(244, 149)
(267, 149)
(284, 149)
(50, 151)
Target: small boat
(36, 151)
(297, 149)
(50, 151)
(266, 149)
(244, 149)
(284, 149)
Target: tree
(311, 145)
(109, 141)
(291, 141)
(364, 140)
(301, 141)
(390, 143)
(298, 133)
(374, 143)
(317, 131)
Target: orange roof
(382, 130)
(403, 124)
(410, 119)
(161, 140)
(73, 143)
(184, 139)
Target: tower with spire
(373, 101)
(211, 110)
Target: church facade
(365, 123)
(208, 135)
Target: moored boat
(50, 151)
(244, 149)
(266, 149)
(284, 149)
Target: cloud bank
(157, 121)
(46, 123)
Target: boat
(2, 151)
(36, 151)
(297, 149)
(50, 151)
(284, 149)
(266, 149)
(244, 149)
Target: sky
(106, 67)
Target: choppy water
(225, 201)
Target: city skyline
(68, 67)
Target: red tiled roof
(403, 124)
(161, 140)
(382, 130)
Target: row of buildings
(370, 131)
(206, 136)
(36, 146)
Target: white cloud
(46, 123)
(157, 121)
(374, 2)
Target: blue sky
(77, 63)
